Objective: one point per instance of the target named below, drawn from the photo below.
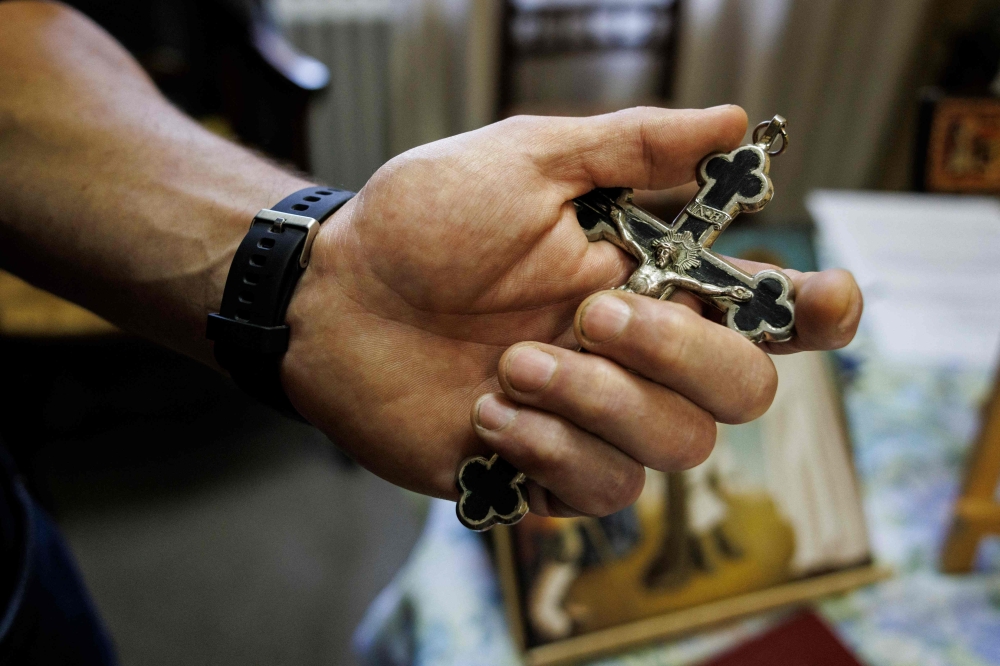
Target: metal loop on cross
(767, 133)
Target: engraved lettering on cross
(716, 217)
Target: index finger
(828, 306)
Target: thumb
(644, 148)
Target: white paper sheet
(928, 265)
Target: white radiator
(349, 122)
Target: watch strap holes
(311, 198)
(265, 243)
(300, 207)
(258, 260)
(246, 297)
(251, 280)
(324, 192)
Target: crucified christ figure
(664, 269)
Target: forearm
(109, 196)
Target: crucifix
(669, 256)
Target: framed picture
(772, 518)
(961, 151)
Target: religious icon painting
(772, 518)
(959, 147)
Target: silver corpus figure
(665, 269)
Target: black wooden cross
(670, 256)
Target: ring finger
(586, 473)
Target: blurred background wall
(837, 69)
(844, 72)
(403, 73)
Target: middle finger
(650, 423)
(716, 368)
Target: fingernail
(494, 414)
(530, 369)
(605, 318)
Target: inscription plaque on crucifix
(670, 256)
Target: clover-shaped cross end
(492, 492)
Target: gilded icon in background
(963, 146)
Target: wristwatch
(249, 330)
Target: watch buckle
(281, 220)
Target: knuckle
(516, 123)
(757, 386)
(674, 327)
(645, 150)
(534, 139)
(700, 441)
(604, 392)
(766, 385)
(687, 447)
(543, 449)
(620, 488)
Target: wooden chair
(977, 511)
(557, 40)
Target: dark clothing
(46, 615)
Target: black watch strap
(249, 330)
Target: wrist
(228, 209)
(234, 217)
(317, 315)
(250, 327)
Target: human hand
(459, 279)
